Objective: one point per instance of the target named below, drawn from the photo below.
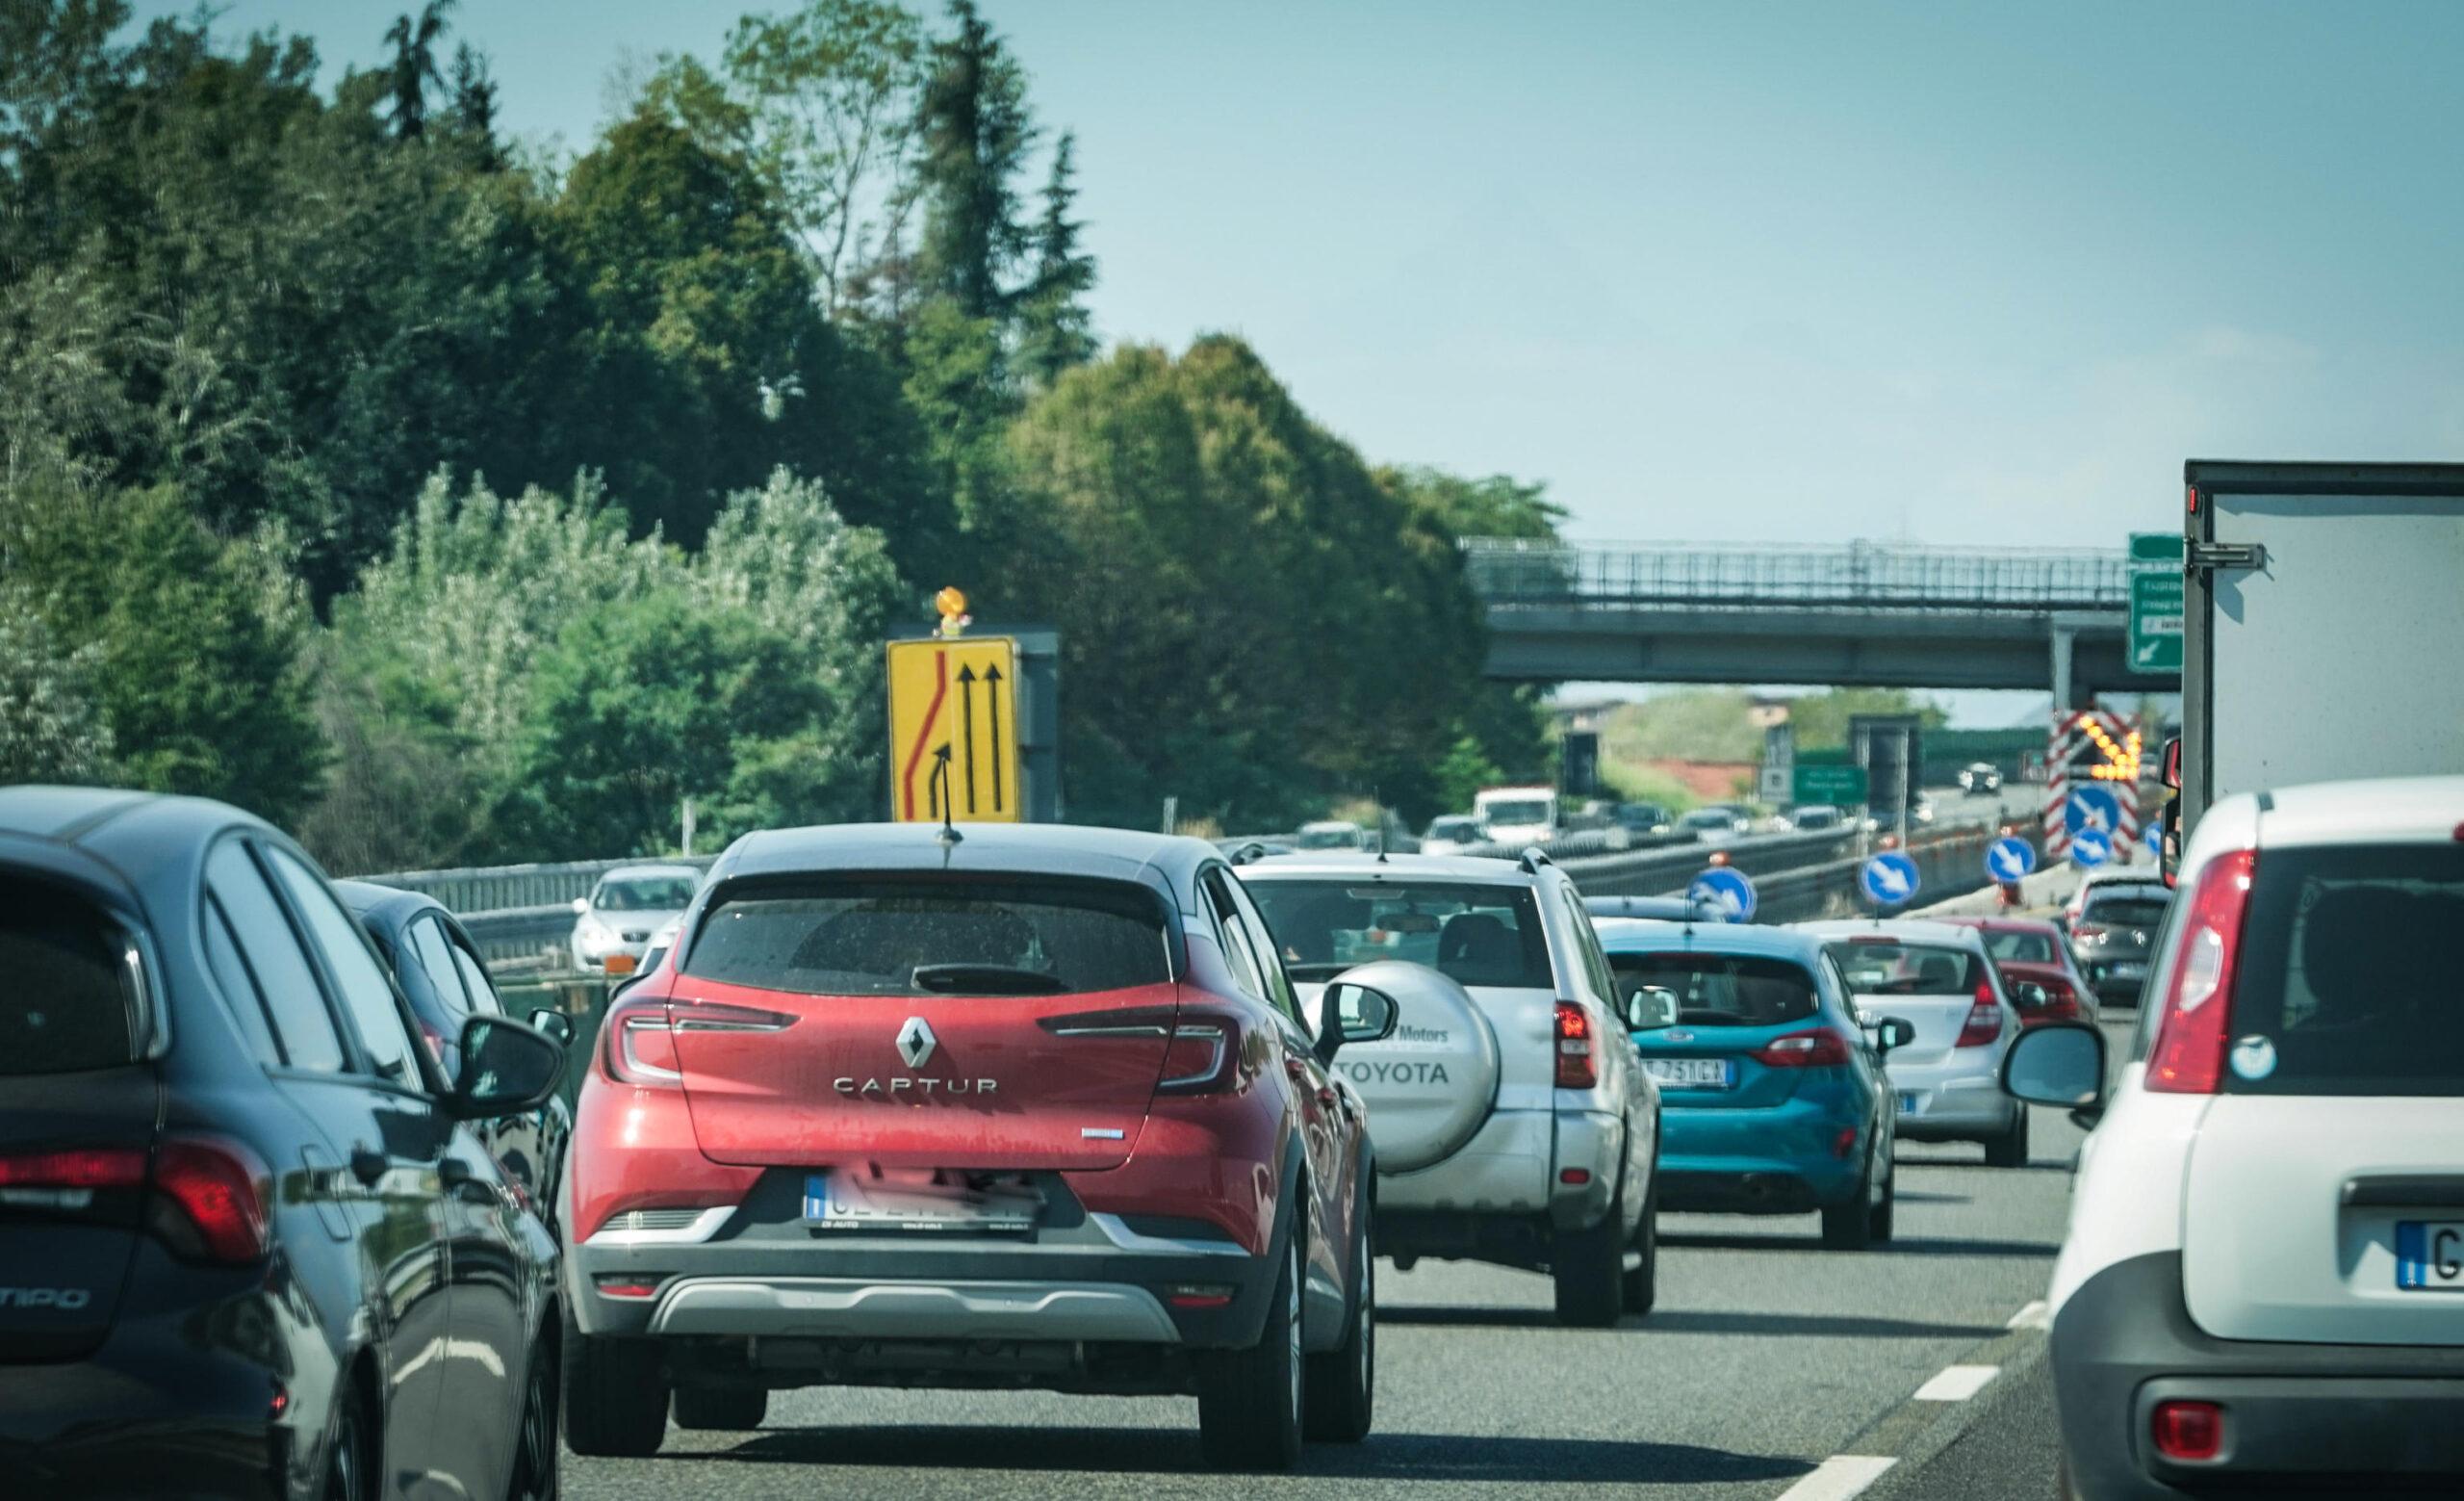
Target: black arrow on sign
(938, 786)
(992, 687)
(967, 715)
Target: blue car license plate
(1692, 1073)
(2429, 1256)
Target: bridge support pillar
(2064, 629)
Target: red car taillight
(1577, 1068)
(2087, 930)
(2189, 1054)
(1983, 1025)
(210, 1194)
(1202, 1057)
(1818, 1048)
(637, 1039)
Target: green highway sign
(2156, 602)
(2155, 546)
(1833, 786)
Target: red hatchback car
(2032, 951)
(1025, 1107)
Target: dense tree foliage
(460, 500)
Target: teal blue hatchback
(1773, 1098)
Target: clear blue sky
(1725, 271)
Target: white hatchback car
(613, 925)
(2263, 1283)
(1938, 978)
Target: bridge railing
(1860, 575)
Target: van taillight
(1577, 1068)
(2188, 1057)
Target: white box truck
(2323, 634)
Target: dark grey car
(2114, 932)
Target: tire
(536, 1452)
(1849, 1225)
(2010, 1149)
(1589, 1268)
(1249, 1401)
(733, 1408)
(1340, 1385)
(615, 1396)
(1640, 1286)
(347, 1461)
(1884, 1211)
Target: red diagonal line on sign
(924, 732)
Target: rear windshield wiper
(985, 979)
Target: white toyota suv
(2263, 1283)
(1515, 1124)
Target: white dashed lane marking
(2033, 1316)
(1957, 1383)
(1837, 1478)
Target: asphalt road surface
(1766, 1356)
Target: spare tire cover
(1430, 1084)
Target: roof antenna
(949, 834)
(1376, 797)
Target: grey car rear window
(899, 934)
(2126, 909)
(69, 1003)
(1475, 934)
(2347, 974)
(1885, 966)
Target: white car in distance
(614, 924)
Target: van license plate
(853, 1201)
(2429, 1256)
(1692, 1073)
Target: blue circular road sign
(1890, 878)
(2009, 858)
(1731, 887)
(2092, 806)
(2091, 848)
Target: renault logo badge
(916, 1042)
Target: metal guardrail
(489, 888)
(1505, 571)
(1788, 886)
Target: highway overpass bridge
(1864, 614)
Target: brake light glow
(626, 1286)
(2188, 1431)
(221, 1190)
(1983, 1027)
(1816, 1047)
(2189, 1054)
(68, 1179)
(1199, 1295)
(1576, 1067)
(1574, 1176)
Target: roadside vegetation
(455, 498)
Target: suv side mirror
(2059, 1063)
(1649, 1008)
(1352, 1013)
(553, 1024)
(507, 1068)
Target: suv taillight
(1577, 1068)
(1202, 1055)
(1818, 1048)
(637, 1038)
(2188, 1057)
(210, 1194)
(1983, 1025)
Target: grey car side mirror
(1891, 1032)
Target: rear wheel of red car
(2010, 1149)
(1642, 1280)
(1589, 1268)
(736, 1408)
(1340, 1385)
(615, 1396)
(1249, 1401)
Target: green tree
(193, 644)
(976, 136)
(1821, 719)
(412, 69)
(51, 724)
(1055, 332)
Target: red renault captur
(998, 1106)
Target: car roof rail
(1533, 858)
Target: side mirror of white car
(2059, 1063)
(581, 906)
